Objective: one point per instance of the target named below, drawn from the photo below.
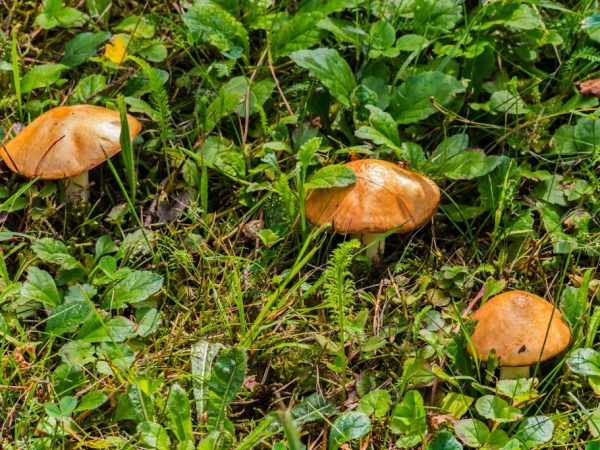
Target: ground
(190, 304)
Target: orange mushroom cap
(66, 141)
(385, 196)
(521, 327)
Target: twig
(247, 118)
(285, 102)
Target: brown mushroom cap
(384, 197)
(66, 141)
(516, 324)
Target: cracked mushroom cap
(66, 141)
(385, 196)
(522, 327)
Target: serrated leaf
(67, 317)
(350, 425)
(40, 287)
(118, 329)
(134, 288)
(331, 176)
(53, 251)
(330, 69)
(210, 23)
(410, 102)
(297, 33)
(77, 353)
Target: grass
(191, 305)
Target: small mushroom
(66, 142)
(522, 328)
(385, 197)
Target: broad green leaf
(297, 33)
(87, 88)
(382, 130)
(225, 380)
(77, 353)
(118, 330)
(350, 425)
(330, 69)
(91, 400)
(134, 288)
(437, 14)
(331, 176)
(585, 361)
(471, 432)
(138, 26)
(149, 322)
(82, 46)
(154, 436)
(444, 441)
(535, 431)
(376, 402)
(114, 358)
(180, 414)
(202, 356)
(212, 24)
(41, 77)
(411, 101)
(313, 408)
(68, 316)
(40, 287)
(456, 404)
(512, 15)
(408, 417)
(562, 242)
(497, 409)
(575, 300)
(466, 165)
(53, 251)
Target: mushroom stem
(374, 252)
(77, 186)
(512, 373)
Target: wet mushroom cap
(521, 327)
(66, 141)
(385, 196)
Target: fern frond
(160, 99)
(587, 53)
(339, 288)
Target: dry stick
(285, 102)
(247, 118)
(464, 314)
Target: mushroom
(522, 328)
(385, 197)
(66, 142)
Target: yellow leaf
(117, 51)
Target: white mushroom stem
(375, 251)
(512, 373)
(77, 186)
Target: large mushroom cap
(384, 197)
(522, 327)
(66, 141)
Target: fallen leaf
(117, 50)
(590, 87)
